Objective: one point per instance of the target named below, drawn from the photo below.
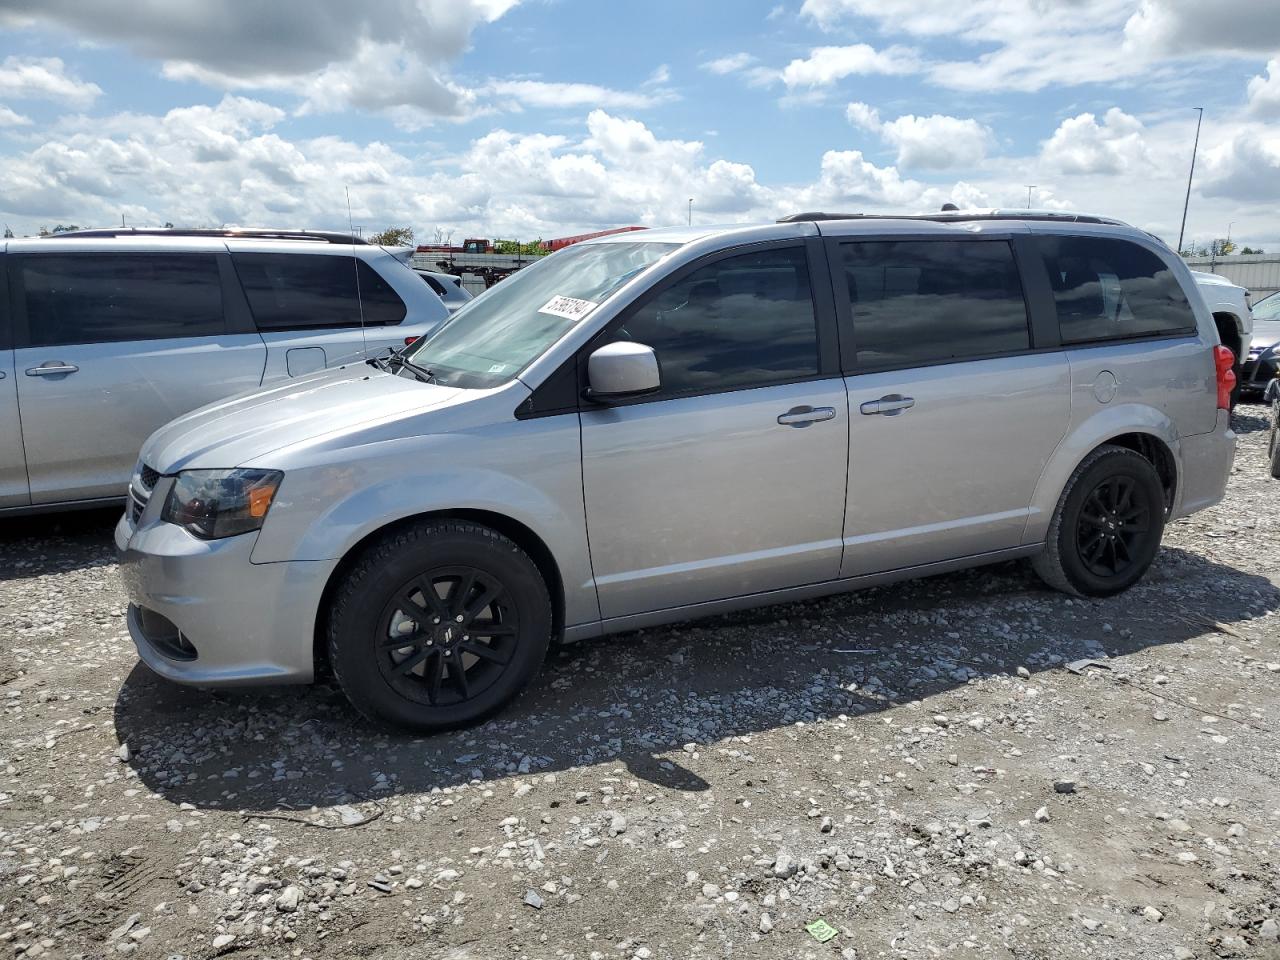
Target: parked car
(1262, 364)
(447, 287)
(643, 429)
(1232, 315)
(1272, 397)
(106, 335)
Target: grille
(137, 503)
(148, 477)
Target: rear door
(112, 346)
(317, 310)
(13, 465)
(954, 408)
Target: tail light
(410, 341)
(1224, 361)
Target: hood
(234, 431)
(1265, 333)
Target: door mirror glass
(622, 369)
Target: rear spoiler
(403, 254)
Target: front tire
(438, 626)
(1107, 528)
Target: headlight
(221, 503)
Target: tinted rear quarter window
(744, 321)
(289, 291)
(106, 298)
(1110, 289)
(932, 301)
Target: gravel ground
(912, 765)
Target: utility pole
(691, 211)
(1186, 203)
(1030, 187)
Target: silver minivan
(106, 335)
(643, 429)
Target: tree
(8, 232)
(67, 229)
(1247, 251)
(394, 237)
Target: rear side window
(745, 321)
(434, 284)
(301, 291)
(108, 298)
(1108, 289)
(932, 301)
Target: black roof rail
(248, 233)
(951, 216)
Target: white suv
(107, 334)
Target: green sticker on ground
(821, 931)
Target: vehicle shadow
(44, 543)
(1250, 417)
(640, 699)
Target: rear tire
(1107, 528)
(431, 661)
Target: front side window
(110, 298)
(291, 291)
(744, 321)
(499, 333)
(1109, 289)
(932, 301)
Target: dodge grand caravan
(635, 431)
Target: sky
(544, 118)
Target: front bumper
(1256, 372)
(201, 613)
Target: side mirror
(620, 370)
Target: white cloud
(11, 118)
(729, 64)
(936, 142)
(1081, 145)
(393, 55)
(827, 65)
(44, 78)
(1264, 92)
(536, 93)
(1189, 26)
(1245, 169)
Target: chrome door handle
(890, 405)
(51, 369)
(803, 416)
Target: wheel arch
(520, 534)
(1145, 430)
(1230, 332)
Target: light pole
(1186, 203)
(1030, 187)
(691, 211)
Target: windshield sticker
(571, 308)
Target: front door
(953, 415)
(730, 481)
(113, 346)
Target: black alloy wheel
(446, 636)
(1114, 527)
(1106, 530)
(438, 625)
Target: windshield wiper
(401, 361)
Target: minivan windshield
(495, 336)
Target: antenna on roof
(355, 266)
